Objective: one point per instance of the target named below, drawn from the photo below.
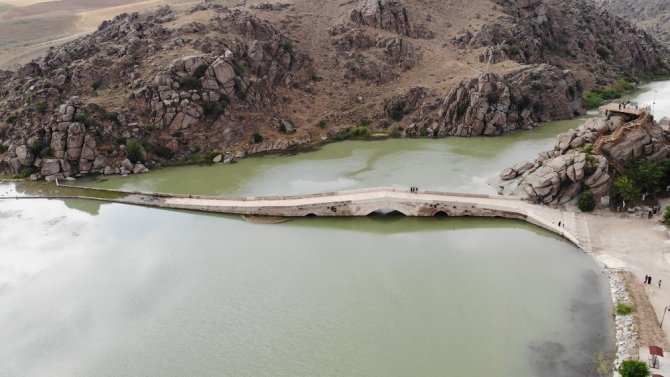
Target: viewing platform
(629, 109)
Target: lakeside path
(641, 247)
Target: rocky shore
(626, 332)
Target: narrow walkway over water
(363, 203)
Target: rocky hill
(651, 15)
(559, 175)
(190, 82)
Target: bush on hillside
(586, 202)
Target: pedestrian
(645, 278)
(651, 214)
(649, 280)
(559, 224)
(659, 283)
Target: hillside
(189, 82)
(651, 15)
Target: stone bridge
(365, 202)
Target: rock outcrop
(559, 175)
(492, 105)
(568, 34)
(388, 15)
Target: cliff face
(651, 15)
(569, 34)
(266, 78)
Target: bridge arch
(386, 212)
(440, 213)
(311, 215)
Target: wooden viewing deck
(630, 109)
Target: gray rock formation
(557, 176)
(492, 105)
(388, 15)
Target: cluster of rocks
(626, 332)
(374, 58)
(492, 104)
(559, 175)
(566, 33)
(66, 147)
(388, 15)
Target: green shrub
(423, 132)
(42, 108)
(24, 173)
(40, 148)
(200, 71)
(11, 119)
(323, 123)
(209, 156)
(134, 151)
(189, 83)
(256, 138)
(159, 151)
(288, 46)
(626, 189)
(84, 118)
(352, 134)
(586, 202)
(592, 100)
(634, 368)
(213, 110)
(624, 308)
(3, 148)
(397, 111)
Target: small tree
(634, 368)
(256, 138)
(626, 189)
(586, 202)
(134, 150)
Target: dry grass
(645, 316)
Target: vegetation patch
(256, 138)
(24, 173)
(352, 133)
(134, 150)
(596, 97)
(634, 368)
(624, 308)
(586, 202)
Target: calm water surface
(113, 290)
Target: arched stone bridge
(368, 201)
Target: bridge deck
(366, 201)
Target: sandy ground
(641, 246)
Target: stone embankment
(626, 332)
